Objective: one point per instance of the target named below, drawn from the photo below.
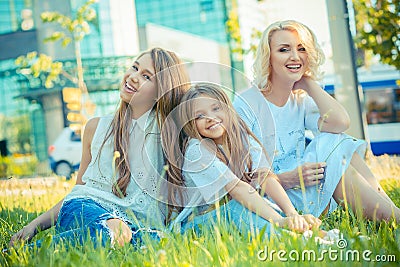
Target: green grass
(223, 246)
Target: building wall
(53, 49)
(10, 14)
(44, 106)
(114, 32)
(205, 18)
(13, 41)
(121, 30)
(194, 29)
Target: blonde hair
(262, 64)
(172, 82)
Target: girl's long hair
(262, 64)
(172, 82)
(236, 137)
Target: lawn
(364, 243)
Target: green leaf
(54, 37)
(384, 21)
(66, 41)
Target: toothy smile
(129, 87)
(214, 126)
(294, 67)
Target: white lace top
(146, 162)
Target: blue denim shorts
(83, 218)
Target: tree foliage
(16, 130)
(78, 28)
(233, 29)
(378, 29)
(34, 64)
(75, 29)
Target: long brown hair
(172, 82)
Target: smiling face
(139, 85)
(210, 117)
(289, 59)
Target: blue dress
(282, 132)
(206, 177)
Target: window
(382, 106)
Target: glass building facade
(20, 95)
(16, 114)
(11, 15)
(205, 18)
(107, 52)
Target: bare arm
(271, 186)
(248, 197)
(334, 117)
(48, 219)
(90, 129)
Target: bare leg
(326, 210)
(359, 194)
(361, 167)
(121, 231)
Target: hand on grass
(25, 234)
(295, 222)
(312, 221)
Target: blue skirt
(231, 213)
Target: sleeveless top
(146, 191)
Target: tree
(378, 30)
(233, 29)
(22, 136)
(16, 130)
(78, 28)
(75, 30)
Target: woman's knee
(120, 231)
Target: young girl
(118, 183)
(222, 156)
(331, 168)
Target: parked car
(65, 153)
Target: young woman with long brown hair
(119, 188)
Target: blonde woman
(285, 101)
